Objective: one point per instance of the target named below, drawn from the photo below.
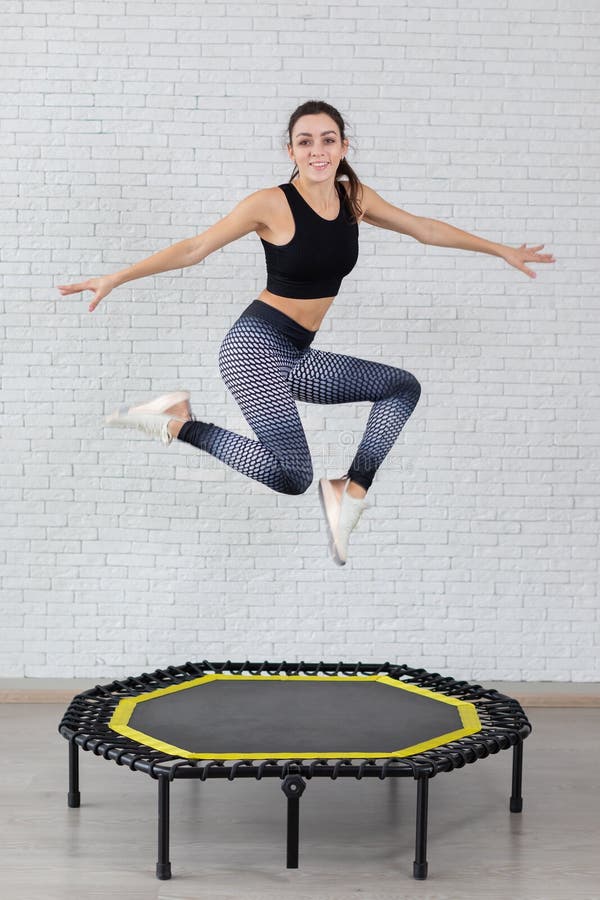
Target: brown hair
(312, 107)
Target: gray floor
(356, 839)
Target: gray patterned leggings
(267, 370)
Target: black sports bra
(321, 252)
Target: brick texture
(128, 126)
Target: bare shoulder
(249, 214)
(377, 211)
(261, 203)
(366, 196)
(255, 209)
(272, 198)
(271, 208)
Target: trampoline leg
(293, 832)
(516, 800)
(163, 866)
(293, 788)
(420, 863)
(74, 797)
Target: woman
(309, 231)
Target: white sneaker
(149, 417)
(341, 517)
(165, 401)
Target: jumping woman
(309, 231)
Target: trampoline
(294, 722)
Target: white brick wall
(127, 126)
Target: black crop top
(319, 255)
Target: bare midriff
(308, 313)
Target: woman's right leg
(255, 360)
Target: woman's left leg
(324, 377)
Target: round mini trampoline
(294, 722)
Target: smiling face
(316, 147)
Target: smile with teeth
(319, 165)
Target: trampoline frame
(85, 725)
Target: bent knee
(406, 384)
(412, 385)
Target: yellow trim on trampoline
(125, 708)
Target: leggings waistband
(300, 336)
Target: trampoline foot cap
(74, 799)
(516, 804)
(163, 871)
(420, 871)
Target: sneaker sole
(159, 404)
(328, 500)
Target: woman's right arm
(247, 216)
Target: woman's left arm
(440, 234)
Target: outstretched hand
(101, 287)
(518, 256)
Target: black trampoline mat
(237, 716)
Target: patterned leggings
(267, 370)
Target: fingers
(530, 273)
(72, 288)
(82, 286)
(540, 256)
(531, 254)
(547, 258)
